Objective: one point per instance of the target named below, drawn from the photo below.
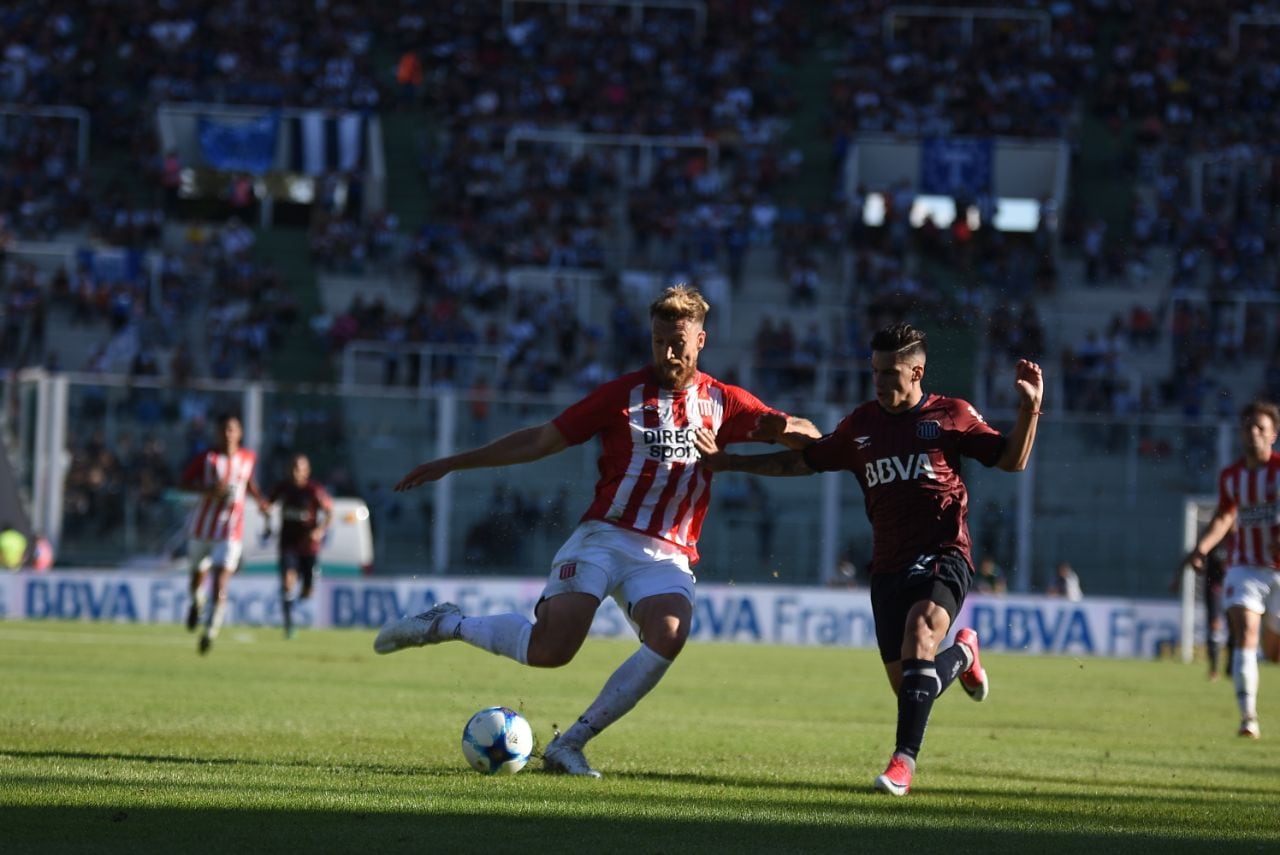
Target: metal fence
(97, 457)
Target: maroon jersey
(909, 467)
(650, 480)
(300, 514)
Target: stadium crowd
(1199, 248)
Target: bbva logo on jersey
(886, 470)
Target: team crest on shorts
(928, 430)
(567, 570)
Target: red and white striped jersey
(219, 519)
(1254, 494)
(650, 480)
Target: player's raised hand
(432, 470)
(1030, 382)
(769, 428)
(705, 441)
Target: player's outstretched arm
(782, 463)
(791, 431)
(1029, 381)
(264, 504)
(1221, 523)
(522, 446)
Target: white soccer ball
(497, 741)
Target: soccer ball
(497, 741)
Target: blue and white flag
(240, 146)
(326, 142)
(955, 167)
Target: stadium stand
(551, 168)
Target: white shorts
(203, 554)
(1251, 587)
(607, 561)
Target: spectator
(1065, 583)
(13, 546)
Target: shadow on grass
(1023, 784)
(107, 830)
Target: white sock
(634, 679)
(215, 619)
(1245, 669)
(506, 635)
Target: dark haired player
(905, 449)
(305, 513)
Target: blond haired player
(637, 540)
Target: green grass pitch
(119, 738)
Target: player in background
(1215, 573)
(1249, 511)
(305, 513)
(905, 449)
(637, 540)
(223, 476)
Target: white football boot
(566, 760)
(415, 631)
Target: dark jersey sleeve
(830, 453)
(978, 439)
(193, 474)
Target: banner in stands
(955, 167)
(741, 614)
(240, 146)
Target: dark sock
(1213, 655)
(950, 664)
(288, 613)
(915, 701)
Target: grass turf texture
(119, 738)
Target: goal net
(1196, 513)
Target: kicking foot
(974, 678)
(1249, 728)
(415, 631)
(566, 760)
(896, 778)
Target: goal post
(1196, 513)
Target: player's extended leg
(221, 576)
(1271, 627)
(1245, 625)
(1270, 644)
(919, 678)
(563, 622)
(663, 621)
(288, 582)
(197, 598)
